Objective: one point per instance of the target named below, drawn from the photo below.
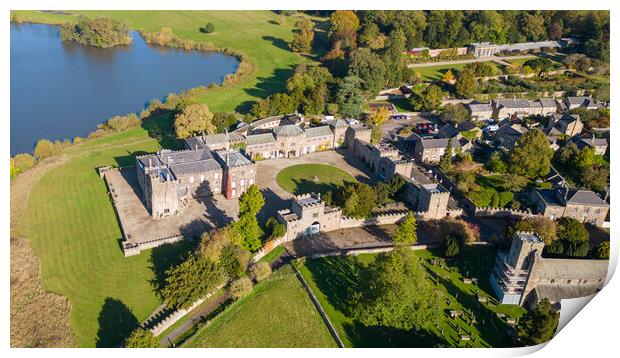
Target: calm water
(61, 90)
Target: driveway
(277, 198)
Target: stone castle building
(169, 178)
(309, 215)
(523, 277)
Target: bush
(505, 197)
(234, 260)
(572, 230)
(209, 28)
(601, 251)
(276, 229)
(142, 338)
(452, 247)
(240, 288)
(260, 271)
(45, 149)
(98, 32)
(23, 162)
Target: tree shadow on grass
(390, 337)
(277, 42)
(164, 257)
(303, 186)
(159, 126)
(116, 322)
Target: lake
(62, 90)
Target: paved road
(196, 316)
(498, 59)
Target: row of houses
(504, 108)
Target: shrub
(234, 260)
(276, 228)
(260, 271)
(572, 230)
(142, 338)
(240, 288)
(452, 247)
(209, 28)
(45, 149)
(601, 251)
(505, 197)
(23, 162)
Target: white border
(593, 331)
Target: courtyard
(137, 224)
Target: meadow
(307, 178)
(278, 313)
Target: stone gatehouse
(522, 276)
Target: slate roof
(260, 139)
(466, 126)
(189, 161)
(585, 197)
(513, 103)
(447, 131)
(336, 123)
(232, 158)
(548, 102)
(289, 130)
(480, 107)
(318, 131)
(589, 140)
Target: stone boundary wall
(378, 220)
(269, 246)
(134, 249)
(177, 315)
(319, 307)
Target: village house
(583, 205)
(581, 102)
(588, 140)
(523, 277)
(504, 108)
(429, 149)
(564, 124)
(508, 134)
(480, 111)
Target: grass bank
(278, 313)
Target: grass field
(332, 278)
(278, 313)
(435, 73)
(306, 178)
(257, 34)
(73, 229)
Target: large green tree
(394, 59)
(250, 203)
(395, 292)
(466, 85)
(572, 230)
(191, 280)
(368, 66)
(531, 155)
(142, 338)
(343, 26)
(349, 97)
(539, 325)
(406, 233)
(192, 120)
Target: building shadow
(131, 177)
(352, 160)
(116, 322)
(129, 159)
(273, 203)
(193, 229)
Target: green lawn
(519, 61)
(332, 278)
(278, 313)
(435, 73)
(257, 34)
(306, 178)
(72, 226)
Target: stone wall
(269, 246)
(134, 249)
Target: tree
(260, 271)
(275, 227)
(190, 280)
(209, 28)
(454, 113)
(533, 27)
(356, 199)
(192, 120)
(544, 228)
(240, 288)
(394, 59)
(372, 38)
(448, 77)
(141, 338)
(601, 251)
(539, 325)
(250, 203)
(394, 292)
(303, 37)
(445, 162)
(213, 242)
(466, 85)
(349, 97)
(369, 67)
(378, 116)
(584, 159)
(452, 247)
(45, 149)
(23, 162)
(234, 260)
(554, 31)
(99, 32)
(496, 163)
(406, 232)
(343, 27)
(223, 121)
(571, 230)
(531, 155)
(595, 178)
